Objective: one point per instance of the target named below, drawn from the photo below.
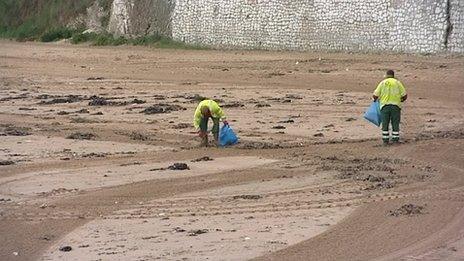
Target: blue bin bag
(227, 136)
(373, 113)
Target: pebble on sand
(65, 248)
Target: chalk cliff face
(141, 17)
(428, 26)
(95, 16)
(120, 17)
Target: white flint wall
(456, 37)
(416, 26)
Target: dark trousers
(204, 125)
(390, 114)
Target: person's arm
(222, 116)
(197, 119)
(404, 95)
(377, 93)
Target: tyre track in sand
(404, 238)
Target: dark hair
(390, 73)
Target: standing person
(391, 93)
(205, 110)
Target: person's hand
(202, 134)
(225, 122)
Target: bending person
(205, 110)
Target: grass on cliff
(56, 34)
(25, 20)
(105, 39)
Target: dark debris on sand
(196, 232)
(82, 136)
(27, 109)
(407, 210)
(137, 101)
(15, 131)
(262, 105)
(83, 111)
(19, 97)
(175, 166)
(101, 101)
(65, 248)
(162, 108)
(293, 97)
(95, 78)
(138, 136)
(6, 162)
(372, 178)
(182, 126)
(249, 197)
(381, 185)
(179, 166)
(83, 120)
(98, 101)
(65, 99)
(205, 158)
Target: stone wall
(415, 26)
(456, 34)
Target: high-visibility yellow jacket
(390, 91)
(216, 112)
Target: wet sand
(88, 135)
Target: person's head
(205, 111)
(390, 74)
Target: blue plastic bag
(373, 113)
(227, 136)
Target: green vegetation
(155, 40)
(147, 40)
(56, 34)
(32, 19)
(97, 39)
(48, 21)
(26, 31)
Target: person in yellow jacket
(391, 94)
(205, 110)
